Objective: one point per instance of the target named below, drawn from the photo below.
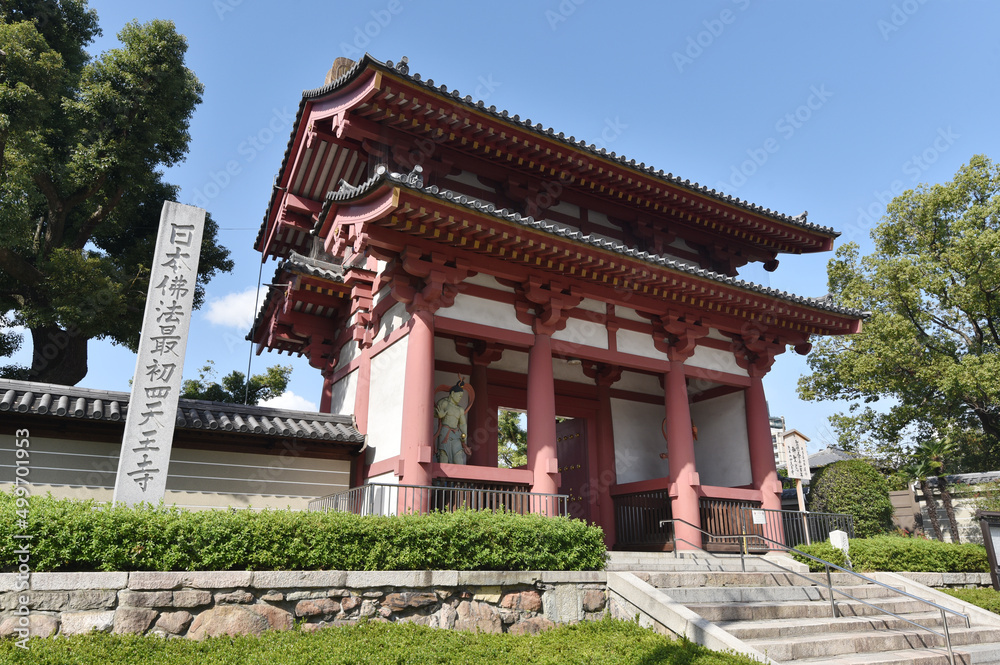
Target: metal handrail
(829, 585)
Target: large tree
(234, 388)
(81, 144)
(927, 365)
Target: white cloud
(289, 400)
(235, 310)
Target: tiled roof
(829, 456)
(45, 399)
(296, 262)
(414, 182)
(402, 69)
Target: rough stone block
(303, 579)
(399, 601)
(477, 617)
(562, 604)
(316, 607)
(306, 595)
(10, 582)
(526, 601)
(145, 599)
(230, 579)
(488, 594)
(133, 620)
(74, 581)
(174, 623)
(227, 620)
(531, 626)
(593, 601)
(277, 618)
(238, 597)
(348, 603)
(77, 623)
(38, 625)
(273, 597)
(192, 598)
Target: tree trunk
(932, 509)
(950, 509)
(58, 356)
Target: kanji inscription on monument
(152, 411)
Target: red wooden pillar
(603, 474)
(326, 401)
(680, 452)
(482, 419)
(418, 400)
(762, 467)
(542, 460)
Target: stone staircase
(781, 617)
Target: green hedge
(897, 553)
(607, 642)
(857, 488)
(70, 535)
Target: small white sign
(839, 540)
(758, 517)
(798, 458)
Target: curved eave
(447, 217)
(553, 142)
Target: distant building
(777, 430)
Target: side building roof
(45, 399)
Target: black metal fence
(792, 527)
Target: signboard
(989, 522)
(152, 409)
(798, 458)
(758, 517)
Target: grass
(605, 642)
(988, 599)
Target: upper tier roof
(809, 236)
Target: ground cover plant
(898, 553)
(607, 642)
(988, 599)
(72, 535)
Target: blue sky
(830, 107)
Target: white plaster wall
(716, 359)
(638, 344)
(563, 371)
(567, 209)
(722, 454)
(638, 441)
(630, 314)
(348, 352)
(385, 401)
(393, 319)
(343, 394)
(715, 334)
(466, 177)
(488, 281)
(592, 305)
(584, 333)
(639, 382)
(512, 361)
(382, 501)
(484, 312)
(601, 219)
(444, 349)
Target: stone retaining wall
(199, 604)
(951, 580)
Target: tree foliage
(234, 388)
(931, 348)
(853, 487)
(513, 440)
(81, 145)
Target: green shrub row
(988, 599)
(70, 535)
(898, 553)
(607, 642)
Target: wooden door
(571, 449)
